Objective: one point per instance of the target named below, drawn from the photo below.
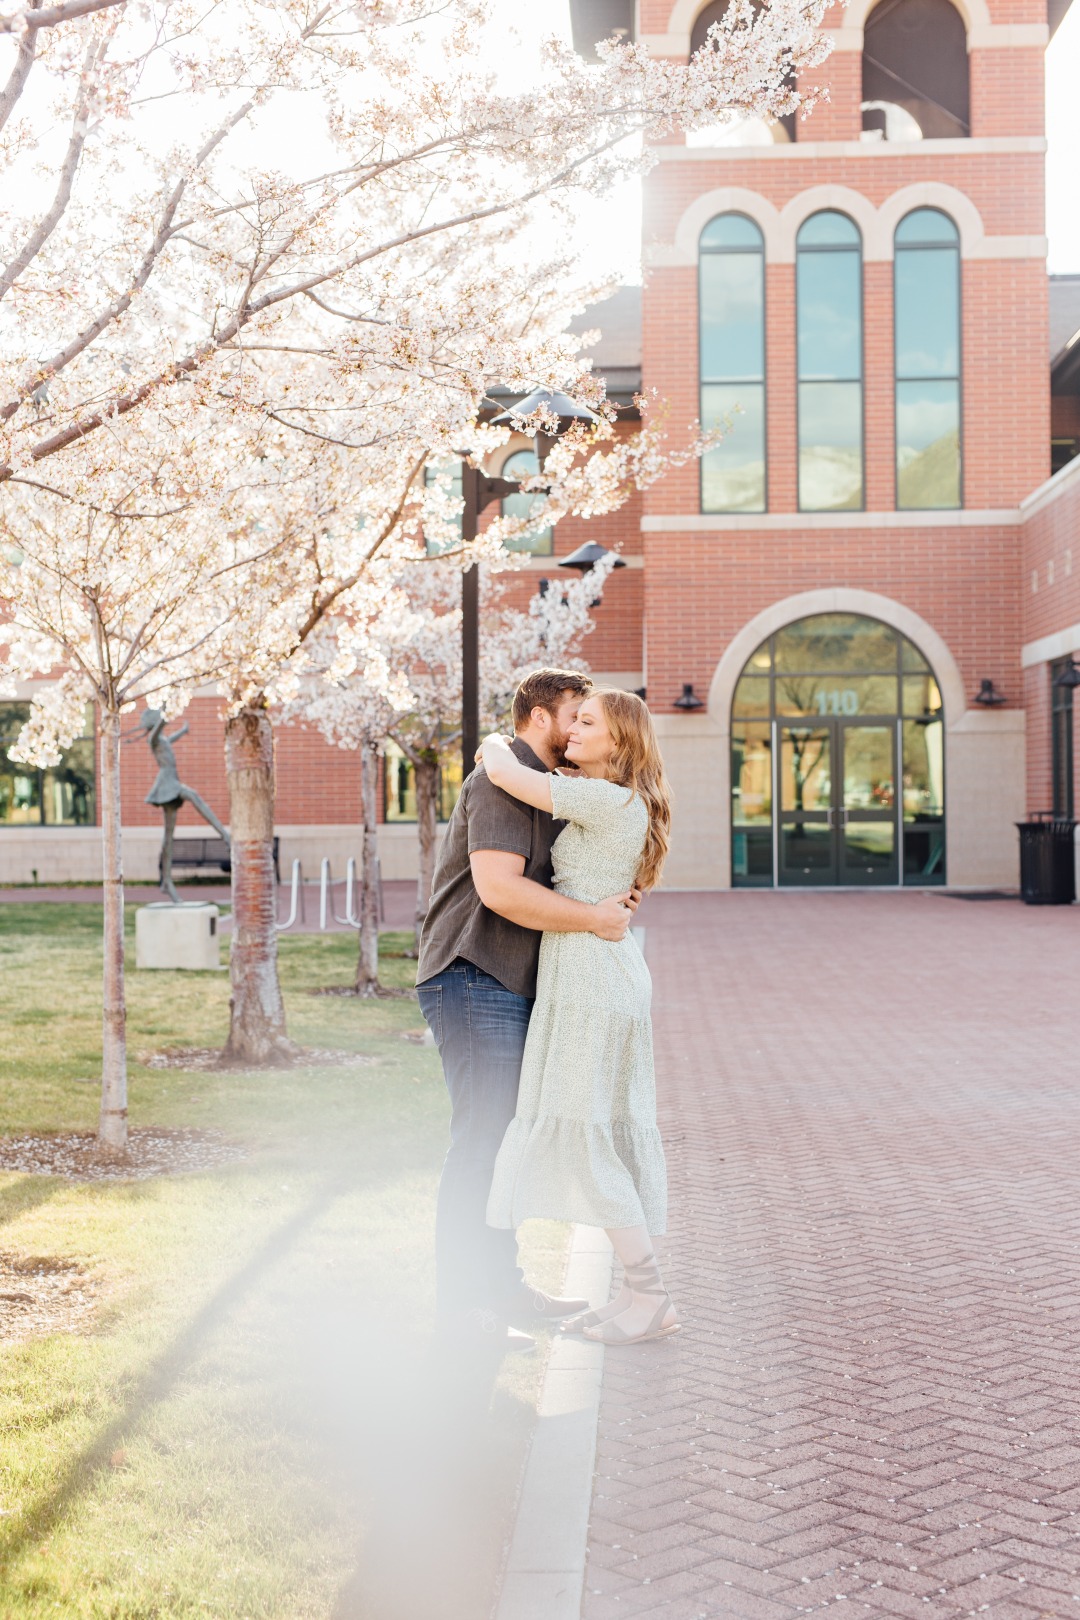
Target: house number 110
(845, 702)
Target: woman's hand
(492, 737)
(506, 771)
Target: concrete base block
(184, 936)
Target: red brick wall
(702, 588)
(1006, 187)
(968, 582)
(1007, 90)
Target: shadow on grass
(386, 1419)
(163, 1373)
(27, 1193)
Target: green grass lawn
(256, 1423)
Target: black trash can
(1047, 860)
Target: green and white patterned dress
(584, 1145)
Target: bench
(204, 852)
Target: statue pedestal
(184, 936)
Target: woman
(584, 1145)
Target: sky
(610, 231)
(1063, 134)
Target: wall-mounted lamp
(1070, 675)
(987, 695)
(585, 558)
(689, 700)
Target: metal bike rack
(326, 906)
(297, 898)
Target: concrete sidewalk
(871, 1106)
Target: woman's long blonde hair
(636, 764)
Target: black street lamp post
(478, 491)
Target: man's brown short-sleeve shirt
(458, 924)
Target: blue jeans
(479, 1027)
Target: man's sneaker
(527, 1307)
(483, 1329)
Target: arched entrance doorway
(837, 736)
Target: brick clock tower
(861, 294)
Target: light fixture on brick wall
(586, 557)
(1070, 674)
(988, 695)
(689, 701)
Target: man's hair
(545, 689)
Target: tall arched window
(915, 71)
(927, 317)
(524, 464)
(731, 327)
(829, 323)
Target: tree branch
(113, 311)
(24, 61)
(35, 17)
(48, 223)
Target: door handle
(829, 815)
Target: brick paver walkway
(871, 1106)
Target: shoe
(644, 1278)
(575, 1327)
(483, 1329)
(527, 1307)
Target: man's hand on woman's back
(614, 916)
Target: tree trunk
(112, 1126)
(426, 768)
(367, 966)
(257, 1031)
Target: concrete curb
(545, 1569)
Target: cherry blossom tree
(129, 595)
(302, 176)
(398, 679)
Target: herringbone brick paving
(871, 1108)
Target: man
(476, 979)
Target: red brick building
(851, 620)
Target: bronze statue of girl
(170, 793)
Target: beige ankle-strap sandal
(642, 1278)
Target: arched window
(838, 759)
(446, 474)
(926, 280)
(748, 131)
(524, 464)
(731, 328)
(829, 343)
(915, 71)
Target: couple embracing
(538, 998)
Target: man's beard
(559, 750)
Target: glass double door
(836, 792)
